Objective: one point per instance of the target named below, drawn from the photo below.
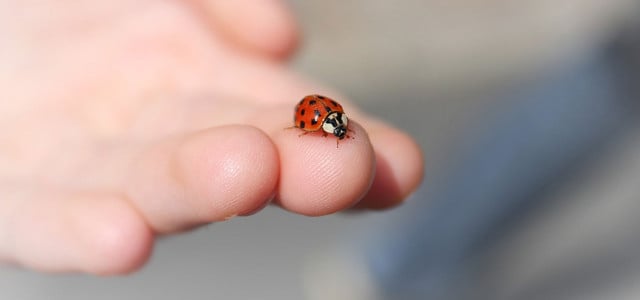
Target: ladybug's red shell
(312, 110)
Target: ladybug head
(340, 132)
(336, 124)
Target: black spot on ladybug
(301, 124)
(322, 97)
(312, 102)
(302, 112)
(314, 121)
(334, 103)
(328, 109)
(316, 113)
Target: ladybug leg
(303, 133)
(324, 134)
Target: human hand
(125, 120)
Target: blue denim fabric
(526, 146)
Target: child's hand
(121, 120)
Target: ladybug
(316, 112)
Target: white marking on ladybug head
(336, 123)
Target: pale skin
(122, 121)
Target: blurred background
(446, 72)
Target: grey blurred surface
(418, 64)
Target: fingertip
(407, 161)
(266, 27)
(319, 177)
(227, 171)
(116, 239)
(78, 232)
(202, 177)
(400, 168)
